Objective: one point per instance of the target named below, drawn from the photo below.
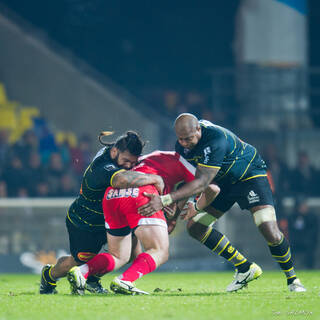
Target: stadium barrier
(33, 233)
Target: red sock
(142, 265)
(101, 264)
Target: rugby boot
(125, 287)
(296, 286)
(77, 281)
(94, 285)
(241, 279)
(47, 285)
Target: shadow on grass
(164, 294)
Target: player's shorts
(248, 194)
(84, 245)
(120, 207)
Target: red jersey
(120, 206)
(170, 165)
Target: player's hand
(190, 212)
(170, 211)
(159, 185)
(171, 225)
(153, 206)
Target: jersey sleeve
(213, 152)
(104, 175)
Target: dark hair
(130, 141)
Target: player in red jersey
(120, 208)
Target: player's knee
(164, 255)
(196, 230)
(274, 235)
(263, 215)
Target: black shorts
(248, 194)
(84, 245)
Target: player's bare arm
(204, 200)
(131, 179)
(203, 177)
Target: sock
(48, 277)
(101, 264)
(281, 253)
(142, 265)
(93, 279)
(220, 244)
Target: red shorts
(120, 207)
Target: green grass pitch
(183, 296)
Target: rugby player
(85, 220)
(240, 172)
(122, 218)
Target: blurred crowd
(41, 164)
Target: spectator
(3, 189)
(4, 147)
(305, 178)
(55, 172)
(24, 147)
(67, 186)
(15, 176)
(279, 172)
(42, 189)
(47, 143)
(81, 155)
(34, 173)
(303, 231)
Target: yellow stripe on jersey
(257, 176)
(205, 165)
(89, 224)
(233, 162)
(85, 180)
(255, 152)
(111, 180)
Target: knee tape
(205, 219)
(264, 215)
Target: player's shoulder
(158, 154)
(103, 161)
(211, 134)
(211, 130)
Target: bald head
(187, 130)
(186, 122)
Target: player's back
(171, 166)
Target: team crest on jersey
(207, 152)
(110, 167)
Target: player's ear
(113, 152)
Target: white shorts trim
(152, 221)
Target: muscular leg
(216, 241)
(50, 274)
(120, 249)
(63, 265)
(265, 219)
(155, 241)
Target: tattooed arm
(131, 179)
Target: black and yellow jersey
(86, 211)
(219, 148)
